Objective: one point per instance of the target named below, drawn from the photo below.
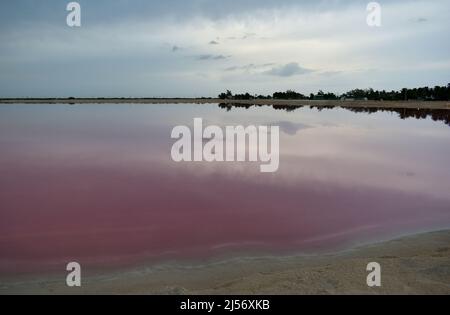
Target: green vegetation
(438, 93)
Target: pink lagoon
(82, 183)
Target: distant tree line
(438, 93)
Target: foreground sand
(417, 264)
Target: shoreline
(277, 102)
(414, 264)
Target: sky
(193, 48)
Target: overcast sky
(203, 47)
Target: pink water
(96, 184)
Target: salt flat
(417, 264)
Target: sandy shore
(418, 264)
(320, 103)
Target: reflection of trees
(403, 113)
(286, 107)
(228, 106)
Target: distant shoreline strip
(258, 102)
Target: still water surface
(96, 184)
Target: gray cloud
(212, 57)
(242, 37)
(249, 67)
(288, 70)
(213, 42)
(53, 11)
